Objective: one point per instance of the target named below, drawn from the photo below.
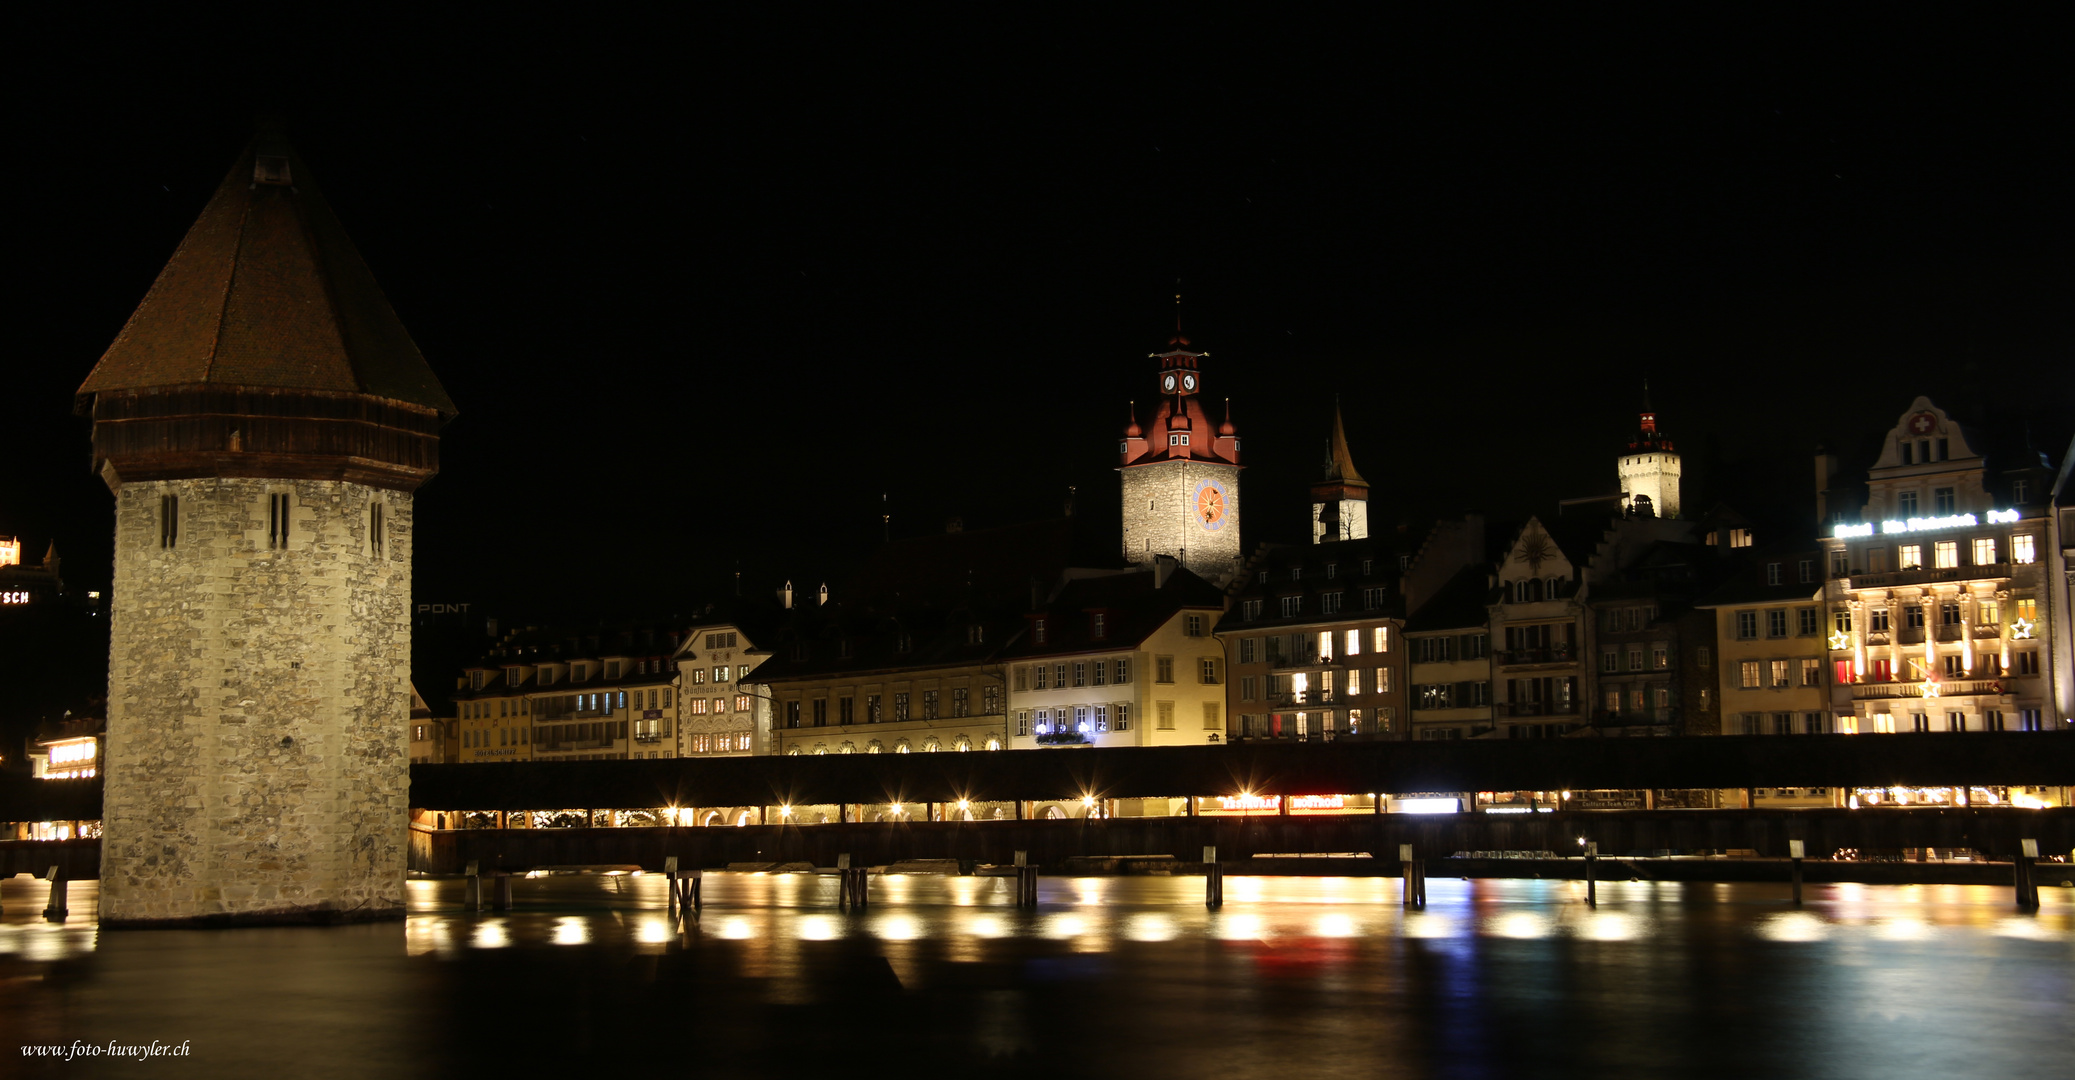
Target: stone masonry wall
(259, 703)
(1160, 510)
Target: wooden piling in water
(60, 887)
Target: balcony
(1990, 630)
(647, 737)
(1910, 635)
(551, 747)
(1298, 660)
(1554, 654)
(1063, 738)
(1920, 576)
(1886, 691)
(1952, 632)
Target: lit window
(1748, 675)
(1946, 554)
(1382, 642)
(2021, 550)
(1909, 557)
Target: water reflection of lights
(654, 931)
(2029, 929)
(1610, 926)
(1244, 888)
(1336, 926)
(1794, 926)
(1426, 924)
(491, 935)
(736, 929)
(1065, 926)
(1519, 924)
(988, 926)
(820, 928)
(1239, 927)
(1150, 927)
(898, 928)
(571, 930)
(1902, 929)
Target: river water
(1123, 976)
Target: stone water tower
(262, 419)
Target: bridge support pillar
(1795, 850)
(504, 891)
(60, 888)
(2021, 870)
(472, 888)
(1592, 886)
(1415, 870)
(1213, 879)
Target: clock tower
(1181, 473)
(1650, 470)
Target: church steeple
(1340, 499)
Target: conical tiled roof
(266, 291)
(1340, 465)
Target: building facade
(1120, 659)
(721, 711)
(1939, 596)
(1315, 640)
(1770, 644)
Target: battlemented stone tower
(262, 419)
(1340, 500)
(1650, 470)
(1181, 474)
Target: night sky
(705, 291)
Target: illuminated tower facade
(262, 420)
(1340, 500)
(1650, 470)
(1181, 473)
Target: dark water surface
(1296, 977)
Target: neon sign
(1930, 524)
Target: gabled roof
(1134, 608)
(267, 291)
(1459, 605)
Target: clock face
(1188, 382)
(1210, 505)
(1167, 383)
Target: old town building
(1939, 596)
(1119, 659)
(1768, 655)
(720, 711)
(1315, 638)
(1448, 647)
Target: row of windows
(1441, 650)
(1093, 719)
(1659, 656)
(1806, 623)
(1987, 665)
(1304, 687)
(1945, 555)
(1950, 613)
(724, 743)
(1638, 698)
(1332, 570)
(1332, 603)
(1460, 695)
(715, 706)
(930, 745)
(1308, 648)
(1305, 724)
(1061, 676)
(278, 521)
(1778, 674)
(817, 710)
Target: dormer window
(1296, 572)
(975, 634)
(1037, 631)
(476, 679)
(1332, 570)
(1178, 438)
(2020, 491)
(1098, 626)
(902, 643)
(270, 169)
(612, 670)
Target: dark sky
(705, 291)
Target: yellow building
(1770, 675)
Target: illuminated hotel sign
(12, 596)
(71, 760)
(1932, 524)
